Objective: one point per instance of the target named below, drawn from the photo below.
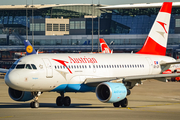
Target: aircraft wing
(169, 63)
(160, 77)
(3, 70)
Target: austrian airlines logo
(163, 25)
(63, 63)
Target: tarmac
(151, 100)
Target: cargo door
(49, 70)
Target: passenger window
(61, 67)
(109, 66)
(112, 66)
(58, 66)
(96, 66)
(33, 66)
(90, 66)
(64, 67)
(72, 66)
(82, 66)
(55, 67)
(93, 66)
(104, 66)
(142, 65)
(128, 66)
(117, 66)
(85, 66)
(122, 66)
(20, 66)
(99, 66)
(79, 66)
(28, 66)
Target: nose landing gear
(61, 100)
(35, 103)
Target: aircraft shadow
(44, 105)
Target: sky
(105, 2)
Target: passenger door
(49, 70)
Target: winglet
(156, 42)
(104, 47)
(29, 48)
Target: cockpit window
(20, 66)
(13, 66)
(28, 66)
(33, 66)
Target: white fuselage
(52, 75)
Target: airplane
(104, 47)
(110, 76)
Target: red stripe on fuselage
(166, 7)
(153, 48)
(63, 63)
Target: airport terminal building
(75, 27)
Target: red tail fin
(156, 41)
(104, 47)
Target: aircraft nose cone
(12, 79)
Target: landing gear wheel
(59, 101)
(66, 101)
(124, 103)
(34, 104)
(117, 104)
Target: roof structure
(139, 5)
(41, 6)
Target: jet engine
(109, 92)
(20, 95)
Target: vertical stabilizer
(104, 47)
(29, 48)
(156, 42)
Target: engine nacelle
(20, 95)
(111, 92)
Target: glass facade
(139, 21)
(117, 26)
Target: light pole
(26, 21)
(32, 25)
(98, 26)
(92, 25)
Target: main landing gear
(123, 103)
(35, 103)
(61, 100)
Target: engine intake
(20, 95)
(111, 92)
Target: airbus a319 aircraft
(110, 76)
